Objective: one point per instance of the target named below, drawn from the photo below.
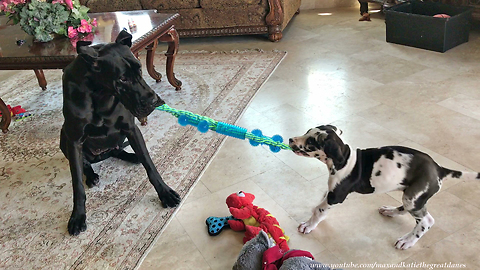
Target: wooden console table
(151, 27)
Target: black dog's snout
(151, 100)
(158, 101)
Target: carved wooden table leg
(41, 78)
(171, 37)
(6, 117)
(150, 67)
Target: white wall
(312, 4)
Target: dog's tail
(447, 173)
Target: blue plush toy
(204, 123)
(217, 224)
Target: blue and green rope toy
(204, 124)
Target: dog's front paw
(169, 197)
(389, 211)
(77, 224)
(92, 180)
(306, 227)
(407, 241)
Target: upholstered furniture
(214, 17)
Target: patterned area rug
(124, 214)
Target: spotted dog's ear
(334, 151)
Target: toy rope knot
(204, 124)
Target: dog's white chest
(388, 174)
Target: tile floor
(342, 71)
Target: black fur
(103, 91)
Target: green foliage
(42, 20)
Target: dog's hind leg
(424, 222)
(414, 201)
(391, 211)
(128, 157)
(92, 179)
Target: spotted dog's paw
(306, 227)
(407, 241)
(388, 211)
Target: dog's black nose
(290, 140)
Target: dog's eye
(123, 79)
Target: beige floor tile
(383, 68)
(407, 94)
(465, 83)
(243, 162)
(341, 103)
(326, 257)
(451, 213)
(463, 104)
(361, 133)
(291, 191)
(467, 191)
(174, 250)
(199, 191)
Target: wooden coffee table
(151, 27)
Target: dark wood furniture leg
(274, 20)
(171, 37)
(150, 67)
(6, 117)
(41, 78)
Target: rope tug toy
(204, 123)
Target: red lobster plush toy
(253, 219)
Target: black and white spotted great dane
(375, 170)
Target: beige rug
(124, 214)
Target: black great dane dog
(103, 92)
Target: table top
(149, 25)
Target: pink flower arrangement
(8, 5)
(41, 19)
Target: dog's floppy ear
(124, 38)
(333, 150)
(87, 53)
(336, 150)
